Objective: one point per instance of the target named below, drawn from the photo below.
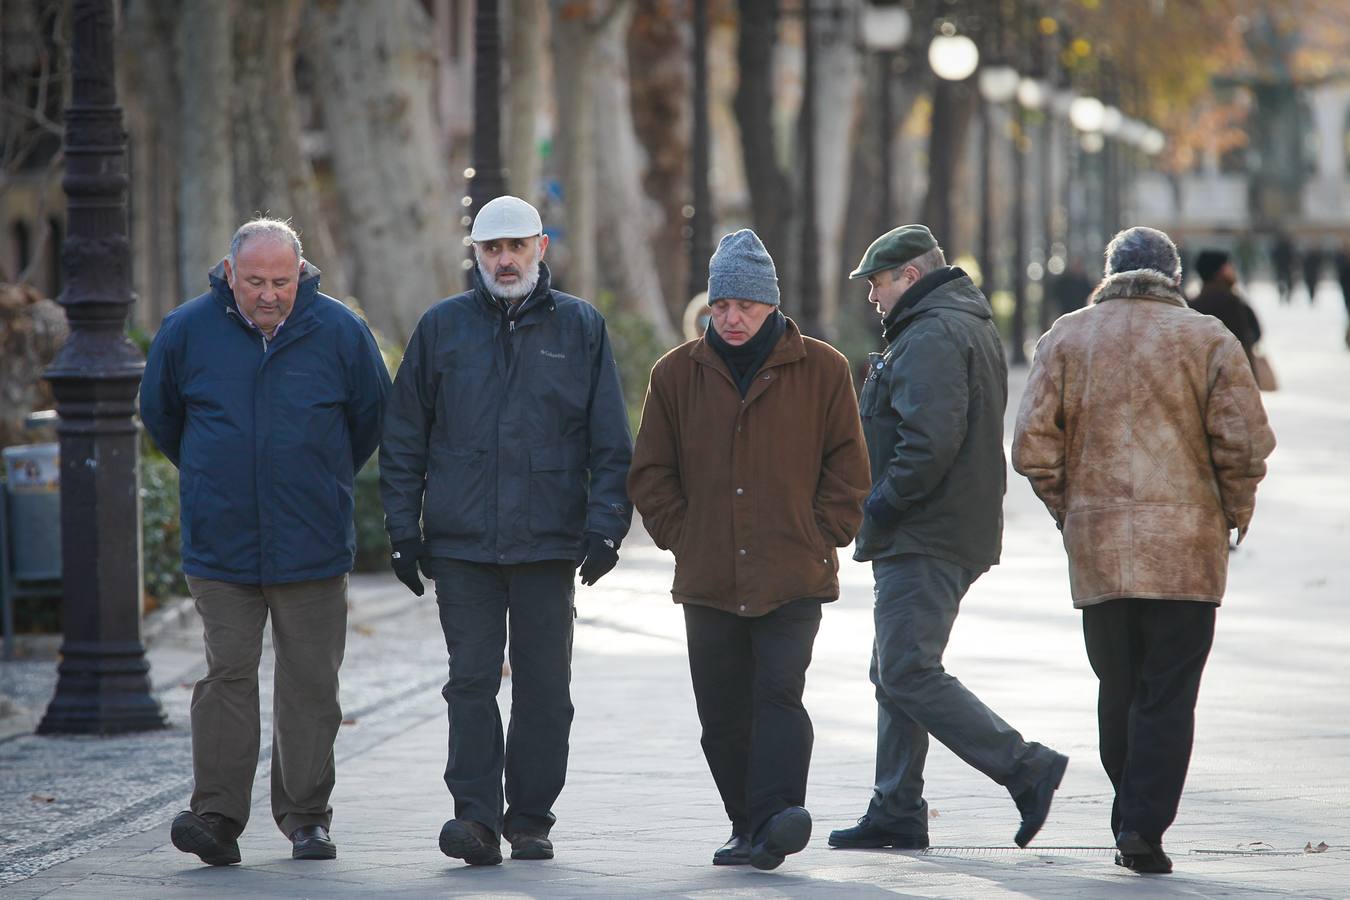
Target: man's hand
(404, 562)
(597, 556)
(880, 509)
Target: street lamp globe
(1112, 121)
(1087, 113)
(954, 57)
(884, 29)
(1154, 142)
(1032, 93)
(998, 84)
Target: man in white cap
(502, 471)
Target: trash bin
(33, 514)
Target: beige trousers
(309, 634)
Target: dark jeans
(917, 598)
(1148, 656)
(476, 603)
(749, 674)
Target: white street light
(998, 84)
(1112, 121)
(884, 28)
(953, 57)
(1032, 93)
(1087, 113)
(1092, 142)
(1154, 142)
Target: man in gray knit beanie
(742, 269)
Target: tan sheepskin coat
(1143, 432)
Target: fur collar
(1143, 284)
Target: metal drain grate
(984, 852)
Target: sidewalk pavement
(640, 815)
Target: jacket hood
(1138, 284)
(308, 287)
(958, 293)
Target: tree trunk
(574, 84)
(151, 99)
(953, 107)
(272, 175)
(770, 189)
(526, 23)
(660, 82)
(628, 218)
(838, 92)
(375, 70)
(206, 214)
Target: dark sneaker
(211, 836)
(1141, 855)
(786, 833)
(1034, 802)
(312, 842)
(528, 843)
(868, 835)
(735, 852)
(472, 842)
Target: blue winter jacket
(267, 434)
(507, 434)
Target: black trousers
(477, 601)
(749, 674)
(1148, 656)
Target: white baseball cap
(506, 217)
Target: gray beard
(513, 292)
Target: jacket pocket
(557, 494)
(457, 496)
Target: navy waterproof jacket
(507, 434)
(267, 435)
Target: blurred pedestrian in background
(1218, 297)
(1142, 430)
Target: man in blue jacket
(268, 397)
(503, 469)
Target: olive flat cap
(895, 248)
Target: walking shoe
(735, 852)
(869, 835)
(1141, 855)
(786, 832)
(312, 842)
(472, 842)
(1034, 802)
(530, 843)
(211, 836)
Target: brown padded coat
(1143, 432)
(754, 495)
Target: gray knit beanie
(741, 269)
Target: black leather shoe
(312, 842)
(1141, 855)
(528, 843)
(735, 852)
(785, 833)
(1034, 802)
(868, 835)
(472, 842)
(211, 836)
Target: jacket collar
(1138, 284)
(948, 287)
(790, 348)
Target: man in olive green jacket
(932, 411)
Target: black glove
(597, 556)
(404, 561)
(880, 509)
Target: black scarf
(745, 360)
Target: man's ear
(229, 271)
(543, 245)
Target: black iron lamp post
(884, 30)
(486, 176)
(104, 677)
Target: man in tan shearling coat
(1142, 430)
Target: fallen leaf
(42, 798)
(933, 813)
(363, 630)
(1320, 848)
(348, 721)
(1256, 845)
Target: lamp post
(998, 85)
(103, 684)
(486, 178)
(953, 58)
(884, 30)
